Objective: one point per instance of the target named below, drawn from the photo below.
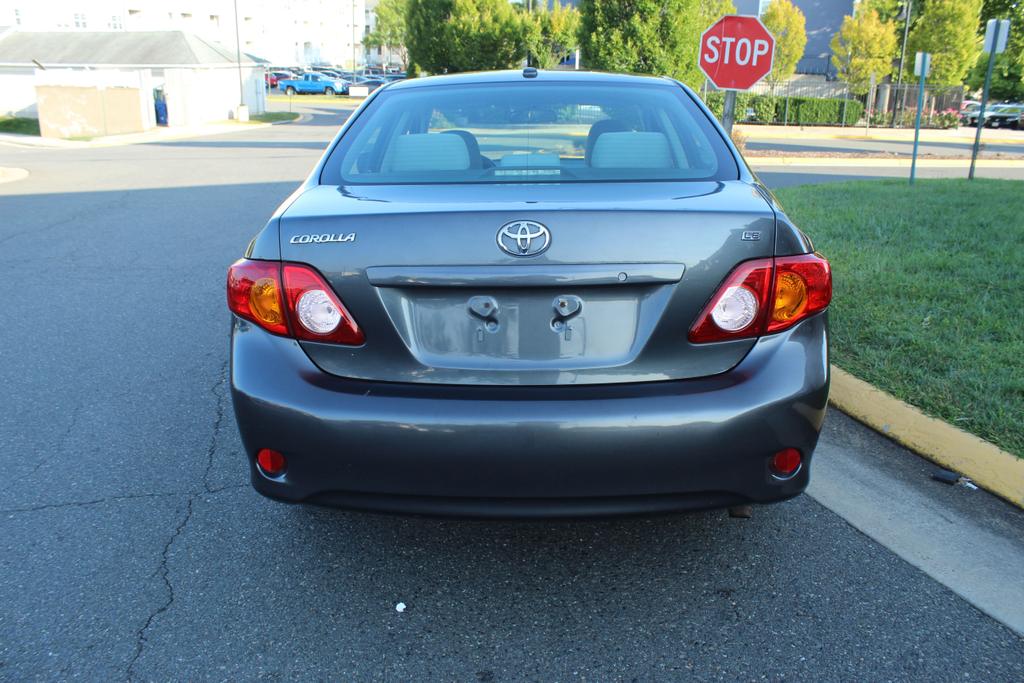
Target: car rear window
(530, 132)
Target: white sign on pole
(992, 28)
(923, 64)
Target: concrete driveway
(133, 548)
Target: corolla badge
(326, 237)
(524, 238)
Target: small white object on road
(400, 607)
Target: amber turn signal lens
(790, 297)
(265, 301)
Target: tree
(390, 31)
(864, 46)
(642, 36)
(1008, 71)
(553, 34)
(887, 10)
(713, 10)
(1007, 74)
(785, 21)
(948, 30)
(448, 36)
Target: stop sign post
(735, 53)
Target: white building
(283, 32)
(91, 83)
(379, 56)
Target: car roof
(511, 76)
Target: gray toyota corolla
(530, 293)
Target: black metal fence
(896, 105)
(811, 101)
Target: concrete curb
(9, 175)
(160, 135)
(987, 465)
(760, 133)
(884, 162)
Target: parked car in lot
(969, 113)
(370, 84)
(468, 308)
(312, 82)
(1004, 116)
(271, 79)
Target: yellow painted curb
(885, 162)
(987, 465)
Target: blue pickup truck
(313, 83)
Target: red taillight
(290, 299)
(765, 296)
(271, 462)
(315, 310)
(254, 293)
(803, 287)
(786, 462)
(753, 277)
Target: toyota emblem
(524, 238)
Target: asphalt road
(131, 546)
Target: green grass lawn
(274, 116)
(16, 124)
(929, 293)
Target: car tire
(329, 92)
(289, 91)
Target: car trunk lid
(626, 270)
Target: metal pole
(925, 63)
(984, 98)
(870, 103)
(729, 111)
(903, 56)
(529, 13)
(353, 39)
(238, 57)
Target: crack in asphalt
(61, 441)
(190, 496)
(78, 216)
(86, 503)
(219, 400)
(164, 571)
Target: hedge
(802, 110)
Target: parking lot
(133, 547)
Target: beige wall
(73, 111)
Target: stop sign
(736, 52)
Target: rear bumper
(531, 451)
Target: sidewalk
(877, 162)
(1003, 136)
(9, 175)
(155, 135)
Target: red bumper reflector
(271, 462)
(786, 462)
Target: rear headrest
(427, 152)
(472, 146)
(597, 130)
(631, 150)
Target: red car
(270, 79)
